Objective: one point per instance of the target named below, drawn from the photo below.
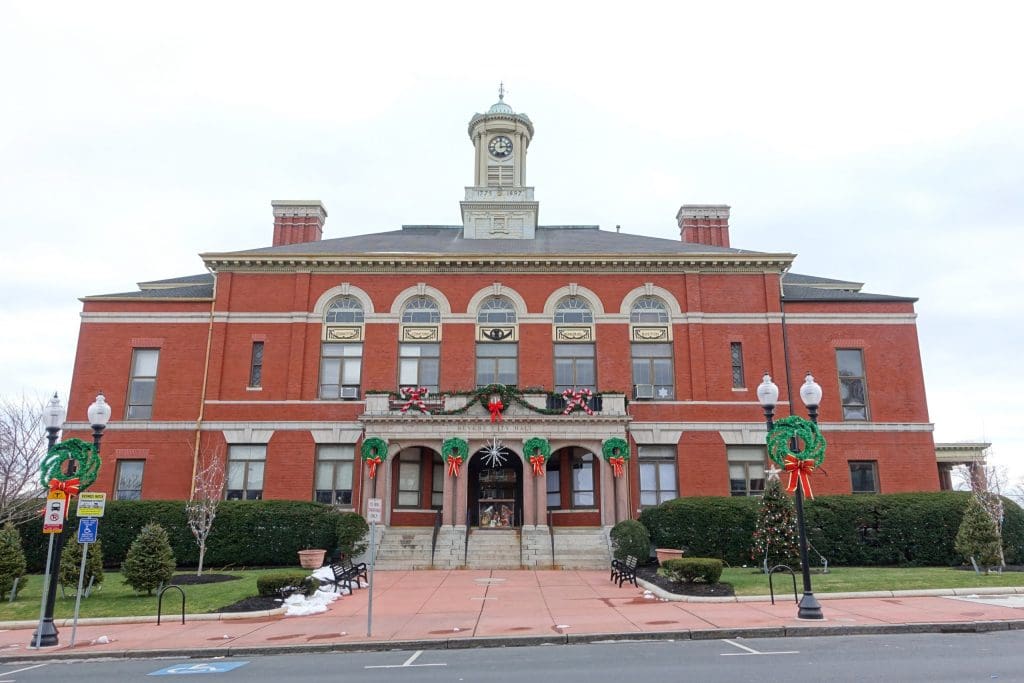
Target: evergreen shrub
(978, 536)
(630, 537)
(149, 562)
(71, 565)
(284, 583)
(897, 529)
(352, 530)
(12, 561)
(262, 533)
(692, 569)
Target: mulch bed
(193, 580)
(649, 573)
(253, 604)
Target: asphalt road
(905, 657)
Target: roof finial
(501, 91)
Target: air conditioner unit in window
(643, 391)
(350, 392)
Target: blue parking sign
(88, 527)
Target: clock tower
(499, 205)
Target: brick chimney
(296, 222)
(704, 224)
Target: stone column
(529, 494)
(461, 494)
(449, 494)
(540, 488)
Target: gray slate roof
(801, 293)
(443, 239)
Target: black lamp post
(99, 413)
(810, 394)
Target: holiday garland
(454, 451)
(87, 466)
(538, 450)
(799, 464)
(415, 398)
(374, 451)
(507, 395)
(616, 453)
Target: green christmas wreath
(615, 448)
(85, 457)
(454, 448)
(795, 427)
(374, 447)
(532, 446)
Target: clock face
(500, 147)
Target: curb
(102, 621)
(799, 631)
(920, 593)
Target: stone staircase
(404, 547)
(581, 548)
(494, 549)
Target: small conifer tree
(149, 561)
(978, 536)
(71, 565)
(12, 560)
(775, 536)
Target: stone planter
(312, 559)
(667, 554)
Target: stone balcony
(606, 405)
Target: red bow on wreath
(799, 471)
(454, 463)
(414, 399)
(372, 464)
(617, 464)
(496, 406)
(538, 465)
(577, 399)
(69, 487)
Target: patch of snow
(300, 606)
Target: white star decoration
(773, 473)
(493, 456)
(662, 392)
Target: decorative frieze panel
(649, 333)
(497, 333)
(421, 333)
(576, 333)
(348, 333)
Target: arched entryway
(495, 495)
(573, 487)
(417, 486)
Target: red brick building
(272, 359)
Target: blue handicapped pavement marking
(200, 668)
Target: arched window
(421, 309)
(573, 309)
(648, 309)
(346, 309)
(496, 311)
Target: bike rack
(771, 588)
(160, 600)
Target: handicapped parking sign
(201, 668)
(88, 528)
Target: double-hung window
(575, 367)
(419, 365)
(652, 371)
(334, 474)
(129, 479)
(853, 391)
(142, 385)
(746, 470)
(340, 368)
(658, 481)
(245, 471)
(864, 476)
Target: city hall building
(525, 386)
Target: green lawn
(114, 599)
(747, 581)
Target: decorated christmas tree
(775, 537)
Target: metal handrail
(433, 541)
(782, 568)
(160, 600)
(551, 531)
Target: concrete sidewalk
(463, 608)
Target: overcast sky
(881, 142)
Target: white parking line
(406, 664)
(752, 651)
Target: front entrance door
(495, 489)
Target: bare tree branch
(988, 483)
(208, 492)
(22, 447)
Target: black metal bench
(346, 575)
(624, 571)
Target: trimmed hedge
(262, 533)
(691, 569)
(899, 529)
(283, 584)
